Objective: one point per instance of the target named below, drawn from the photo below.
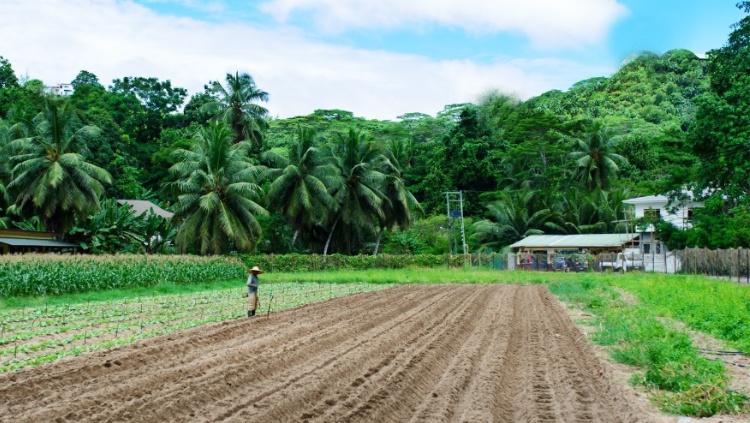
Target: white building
(679, 213)
(60, 89)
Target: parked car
(559, 264)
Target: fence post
(738, 266)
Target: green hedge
(53, 274)
(315, 262)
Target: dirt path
(441, 353)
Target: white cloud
(113, 39)
(547, 23)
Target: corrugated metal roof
(26, 242)
(142, 206)
(574, 241)
(647, 199)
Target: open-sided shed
(593, 243)
(15, 241)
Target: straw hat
(256, 269)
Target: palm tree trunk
(328, 241)
(294, 238)
(377, 242)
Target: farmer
(252, 290)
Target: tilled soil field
(437, 353)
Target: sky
(376, 58)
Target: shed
(595, 243)
(13, 241)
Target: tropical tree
(50, 177)
(217, 193)
(115, 228)
(595, 158)
(8, 133)
(721, 134)
(400, 209)
(301, 182)
(360, 194)
(235, 104)
(513, 216)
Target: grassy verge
(681, 381)
(716, 307)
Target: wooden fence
(732, 263)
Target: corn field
(54, 274)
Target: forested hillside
(239, 180)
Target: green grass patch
(681, 380)
(716, 307)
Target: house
(141, 207)
(653, 207)
(60, 89)
(16, 241)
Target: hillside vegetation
(239, 180)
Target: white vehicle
(629, 259)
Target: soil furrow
(438, 353)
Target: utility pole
(455, 202)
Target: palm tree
(595, 159)
(8, 132)
(50, 176)
(580, 211)
(301, 182)
(401, 207)
(359, 195)
(515, 216)
(235, 104)
(216, 193)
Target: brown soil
(440, 353)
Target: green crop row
(40, 334)
(53, 274)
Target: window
(652, 214)
(646, 248)
(690, 214)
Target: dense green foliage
(315, 262)
(560, 162)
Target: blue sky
(376, 58)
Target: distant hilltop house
(142, 207)
(638, 248)
(60, 89)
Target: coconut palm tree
(216, 193)
(595, 158)
(50, 177)
(360, 194)
(301, 182)
(400, 209)
(513, 216)
(236, 105)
